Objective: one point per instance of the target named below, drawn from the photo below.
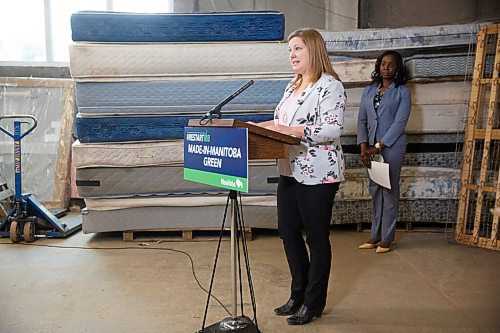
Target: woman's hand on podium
(262, 124)
(297, 131)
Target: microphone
(216, 110)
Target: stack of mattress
(439, 65)
(440, 81)
(139, 79)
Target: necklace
(303, 85)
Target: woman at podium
(311, 108)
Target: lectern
(262, 144)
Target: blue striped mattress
(444, 65)
(152, 97)
(102, 26)
(141, 128)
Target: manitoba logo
(232, 183)
(198, 136)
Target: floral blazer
(320, 109)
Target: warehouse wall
(335, 15)
(341, 15)
(344, 15)
(298, 14)
(398, 13)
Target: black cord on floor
(143, 247)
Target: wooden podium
(262, 144)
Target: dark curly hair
(400, 78)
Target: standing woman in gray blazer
(383, 114)
(311, 108)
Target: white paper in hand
(379, 172)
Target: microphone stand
(216, 111)
(234, 323)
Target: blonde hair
(318, 56)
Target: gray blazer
(389, 123)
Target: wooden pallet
(477, 225)
(180, 235)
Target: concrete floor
(426, 284)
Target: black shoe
(303, 316)
(289, 308)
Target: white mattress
(126, 62)
(116, 61)
(438, 107)
(202, 217)
(174, 201)
(86, 155)
(354, 71)
(416, 183)
(174, 217)
(424, 119)
(167, 179)
(436, 93)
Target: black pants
(307, 208)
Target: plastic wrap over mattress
(415, 183)
(142, 128)
(45, 151)
(370, 42)
(447, 160)
(418, 211)
(152, 97)
(100, 26)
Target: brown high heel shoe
(369, 245)
(383, 248)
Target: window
(143, 6)
(60, 14)
(40, 30)
(22, 37)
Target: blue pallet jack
(28, 218)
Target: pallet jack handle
(35, 122)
